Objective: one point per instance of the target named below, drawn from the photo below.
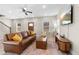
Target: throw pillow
(17, 38)
(32, 32)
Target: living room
(39, 20)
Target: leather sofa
(18, 47)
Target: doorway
(31, 26)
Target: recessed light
(44, 6)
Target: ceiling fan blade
(29, 11)
(26, 14)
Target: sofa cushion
(17, 38)
(24, 34)
(26, 40)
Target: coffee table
(41, 42)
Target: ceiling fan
(25, 11)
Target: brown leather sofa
(18, 47)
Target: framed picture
(46, 26)
(18, 27)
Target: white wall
(14, 25)
(72, 31)
(38, 23)
(6, 21)
(4, 29)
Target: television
(68, 17)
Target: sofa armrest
(11, 43)
(12, 46)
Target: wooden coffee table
(41, 42)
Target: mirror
(67, 18)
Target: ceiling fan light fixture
(24, 8)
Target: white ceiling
(13, 11)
